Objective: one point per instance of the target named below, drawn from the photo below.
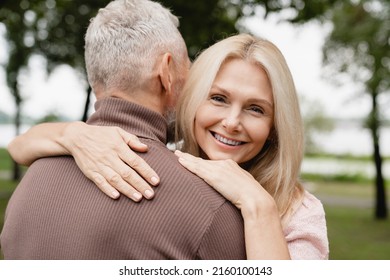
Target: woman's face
(236, 118)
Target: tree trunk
(380, 205)
(16, 171)
(86, 107)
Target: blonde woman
(239, 126)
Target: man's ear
(166, 73)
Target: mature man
(136, 61)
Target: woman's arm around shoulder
(39, 141)
(104, 154)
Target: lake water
(343, 139)
(352, 139)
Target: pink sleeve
(306, 234)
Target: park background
(338, 53)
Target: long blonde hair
(277, 166)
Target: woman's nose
(231, 122)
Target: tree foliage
(359, 46)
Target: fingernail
(137, 196)
(155, 180)
(180, 159)
(148, 194)
(115, 194)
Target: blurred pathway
(330, 200)
(5, 175)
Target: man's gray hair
(125, 38)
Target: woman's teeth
(227, 141)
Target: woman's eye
(257, 110)
(218, 98)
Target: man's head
(125, 44)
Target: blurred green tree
(53, 29)
(359, 46)
(315, 121)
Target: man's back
(57, 213)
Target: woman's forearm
(41, 140)
(103, 154)
(264, 236)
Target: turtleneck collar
(131, 117)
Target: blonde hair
(277, 166)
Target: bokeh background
(339, 55)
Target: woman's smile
(225, 140)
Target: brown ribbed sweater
(57, 213)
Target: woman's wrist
(68, 136)
(259, 208)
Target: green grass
(6, 189)
(355, 235)
(344, 189)
(347, 178)
(5, 160)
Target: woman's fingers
(107, 188)
(130, 183)
(212, 171)
(126, 172)
(104, 156)
(136, 162)
(102, 184)
(193, 164)
(133, 141)
(225, 176)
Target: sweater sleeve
(224, 237)
(306, 234)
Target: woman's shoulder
(308, 216)
(311, 202)
(310, 206)
(306, 232)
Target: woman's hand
(228, 178)
(104, 156)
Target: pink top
(306, 234)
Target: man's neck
(142, 98)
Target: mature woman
(239, 113)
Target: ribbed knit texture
(57, 213)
